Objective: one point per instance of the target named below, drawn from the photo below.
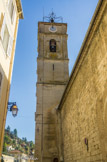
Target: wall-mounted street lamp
(13, 107)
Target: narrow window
(52, 45)
(53, 67)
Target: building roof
(19, 8)
(15, 152)
(73, 73)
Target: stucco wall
(84, 105)
(6, 56)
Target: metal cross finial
(52, 18)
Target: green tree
(8, 129)
(19, 141)
(31, 144)
(15, 132)
(12, 134)
(17, 147)
(14, 142)
(7, 139)
(24, 139)
(4, 147)
(26, 149)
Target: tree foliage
(15, 132)
(8, 129)
(5, 147)
(7, 139)
(24, 139)
(11, 139)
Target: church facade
(71, 115)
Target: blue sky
(77, 14)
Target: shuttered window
(7, 40)
(10, 7)
(1, 21)
(2, 28)
(12, 10)
(14, 15)
(10, 44)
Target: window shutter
(3, 28)
(1, 21)
(14, 15)
(9, 5)
(10, 44)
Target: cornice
(49, 23)
(52, 83)
(50, 59)
(19, 8)
(52, 34)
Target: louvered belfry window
(52, 45)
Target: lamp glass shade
(14, 110)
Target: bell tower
(52, 77)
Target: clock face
(52, 29)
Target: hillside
(13, 143)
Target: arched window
(52, 45)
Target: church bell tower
(52, 77)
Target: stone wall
(83, 107)
(53, 75)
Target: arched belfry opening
(52, 45)
(55, 160)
